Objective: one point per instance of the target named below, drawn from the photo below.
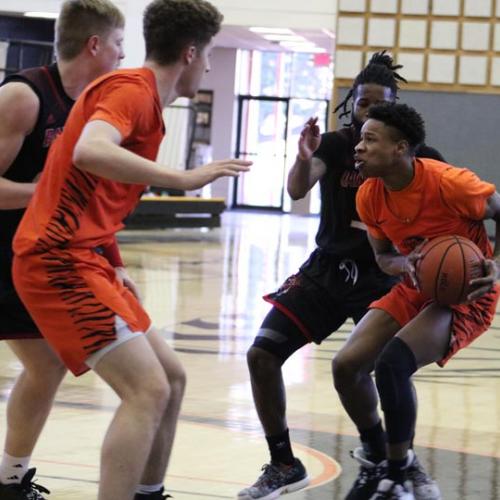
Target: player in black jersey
(338, 281)
(34, 105)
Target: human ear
(190, 54)
(93, 44)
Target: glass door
(261, 138)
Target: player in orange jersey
(404, 201)
(34, 105)
(93, 178)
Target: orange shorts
(469, 321)
(74, 297)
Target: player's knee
(154, 396)
(393, 371)
(178, 380)
(261, 362)
(48, 375)
(345, 371)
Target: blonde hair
(79, 20)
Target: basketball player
(34, 105)
(338, 281)
(404, 201)
(94, 175)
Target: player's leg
(277, 339)
(303, 313)
(32, 395)
(134, 372)
(424, 340)
(352, 367)
(152, 479)
(28, 407)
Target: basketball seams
(437, 241)
(465, 268)
(440, 267)
(479, 255)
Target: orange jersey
(440, 200)
(73, 208)
(71, 291)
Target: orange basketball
(447, 265)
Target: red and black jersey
(55, 106)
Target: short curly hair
(404, 119)
(170, 25)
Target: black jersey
(55, 106)
(340, 231)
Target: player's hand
(309, 139)
(487, 282)
(205, 174)
(124, 278)
(411, 264)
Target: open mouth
(358, 164)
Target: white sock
(13, 469)
(147, 489)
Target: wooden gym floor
(203, 289)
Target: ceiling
(241, 37)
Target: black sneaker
(370, 474)
(158, 495)
(276, 481)
(26, 490)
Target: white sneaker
(424, 487)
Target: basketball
(447, 265)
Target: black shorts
(15, 321)
(327, 291)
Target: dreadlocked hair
(407, 123)
(380, 70)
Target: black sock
(397, 470)
(374, 441)
(280, 448)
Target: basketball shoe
(369, 476)
(276, 481)
(424, 487)
(26, 490)
(157, 495)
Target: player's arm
(19, 108)
(492, 266)
(111, 253)
(391, 261)
(307, 169)
(99, 152)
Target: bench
(155, 212)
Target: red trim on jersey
(54, 89)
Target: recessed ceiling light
(288, 38)
(287, 43)
(275, 31)
(328, 33)
(44, 15)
